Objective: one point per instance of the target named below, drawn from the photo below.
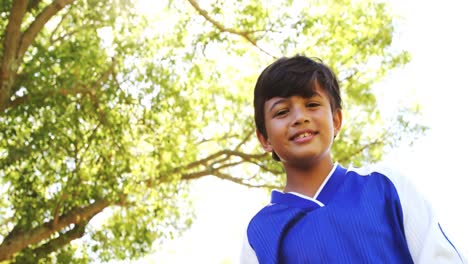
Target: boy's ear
(264, 141)
(337, 120)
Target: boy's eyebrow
(277, 102)
(315, 94)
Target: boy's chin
(306, 160)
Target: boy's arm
(426, 240)
(247, 255)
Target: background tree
(106, 111)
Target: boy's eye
(312, 104)
(280, 113)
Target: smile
(303, 135)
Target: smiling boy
(327, 213)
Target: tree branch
(244, 34)
(211, 160)
(63, 91)
(380, 140)
(33, 4)
(214, 164)
(18, 239)
(16, 43)
(228, 165)
(89, 139)
(225, 176)
(216, 139)
(76, 89)
(61, 241)
(265, 168)
(228, 177)
(198, 162)
(9, 63)
(249, 134)
(54, 31)
(62, 37)
(36, 26)
(17, 101)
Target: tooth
(304, 135)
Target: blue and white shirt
(366, 215)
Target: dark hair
(298, 75)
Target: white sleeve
(426, 241)
(247, 255)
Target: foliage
(106, 114)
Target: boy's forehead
(317, 92)
(275, 101)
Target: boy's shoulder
(395, 175)
(376, 168)
(405, 188)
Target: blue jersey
(357, 216)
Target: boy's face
(300, 130)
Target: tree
(105, 111)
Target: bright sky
(435, 33)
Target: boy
(327, 213)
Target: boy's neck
(307, 180)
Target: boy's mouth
(303, 135)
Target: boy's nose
(300, 117)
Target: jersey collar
(324, 194)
